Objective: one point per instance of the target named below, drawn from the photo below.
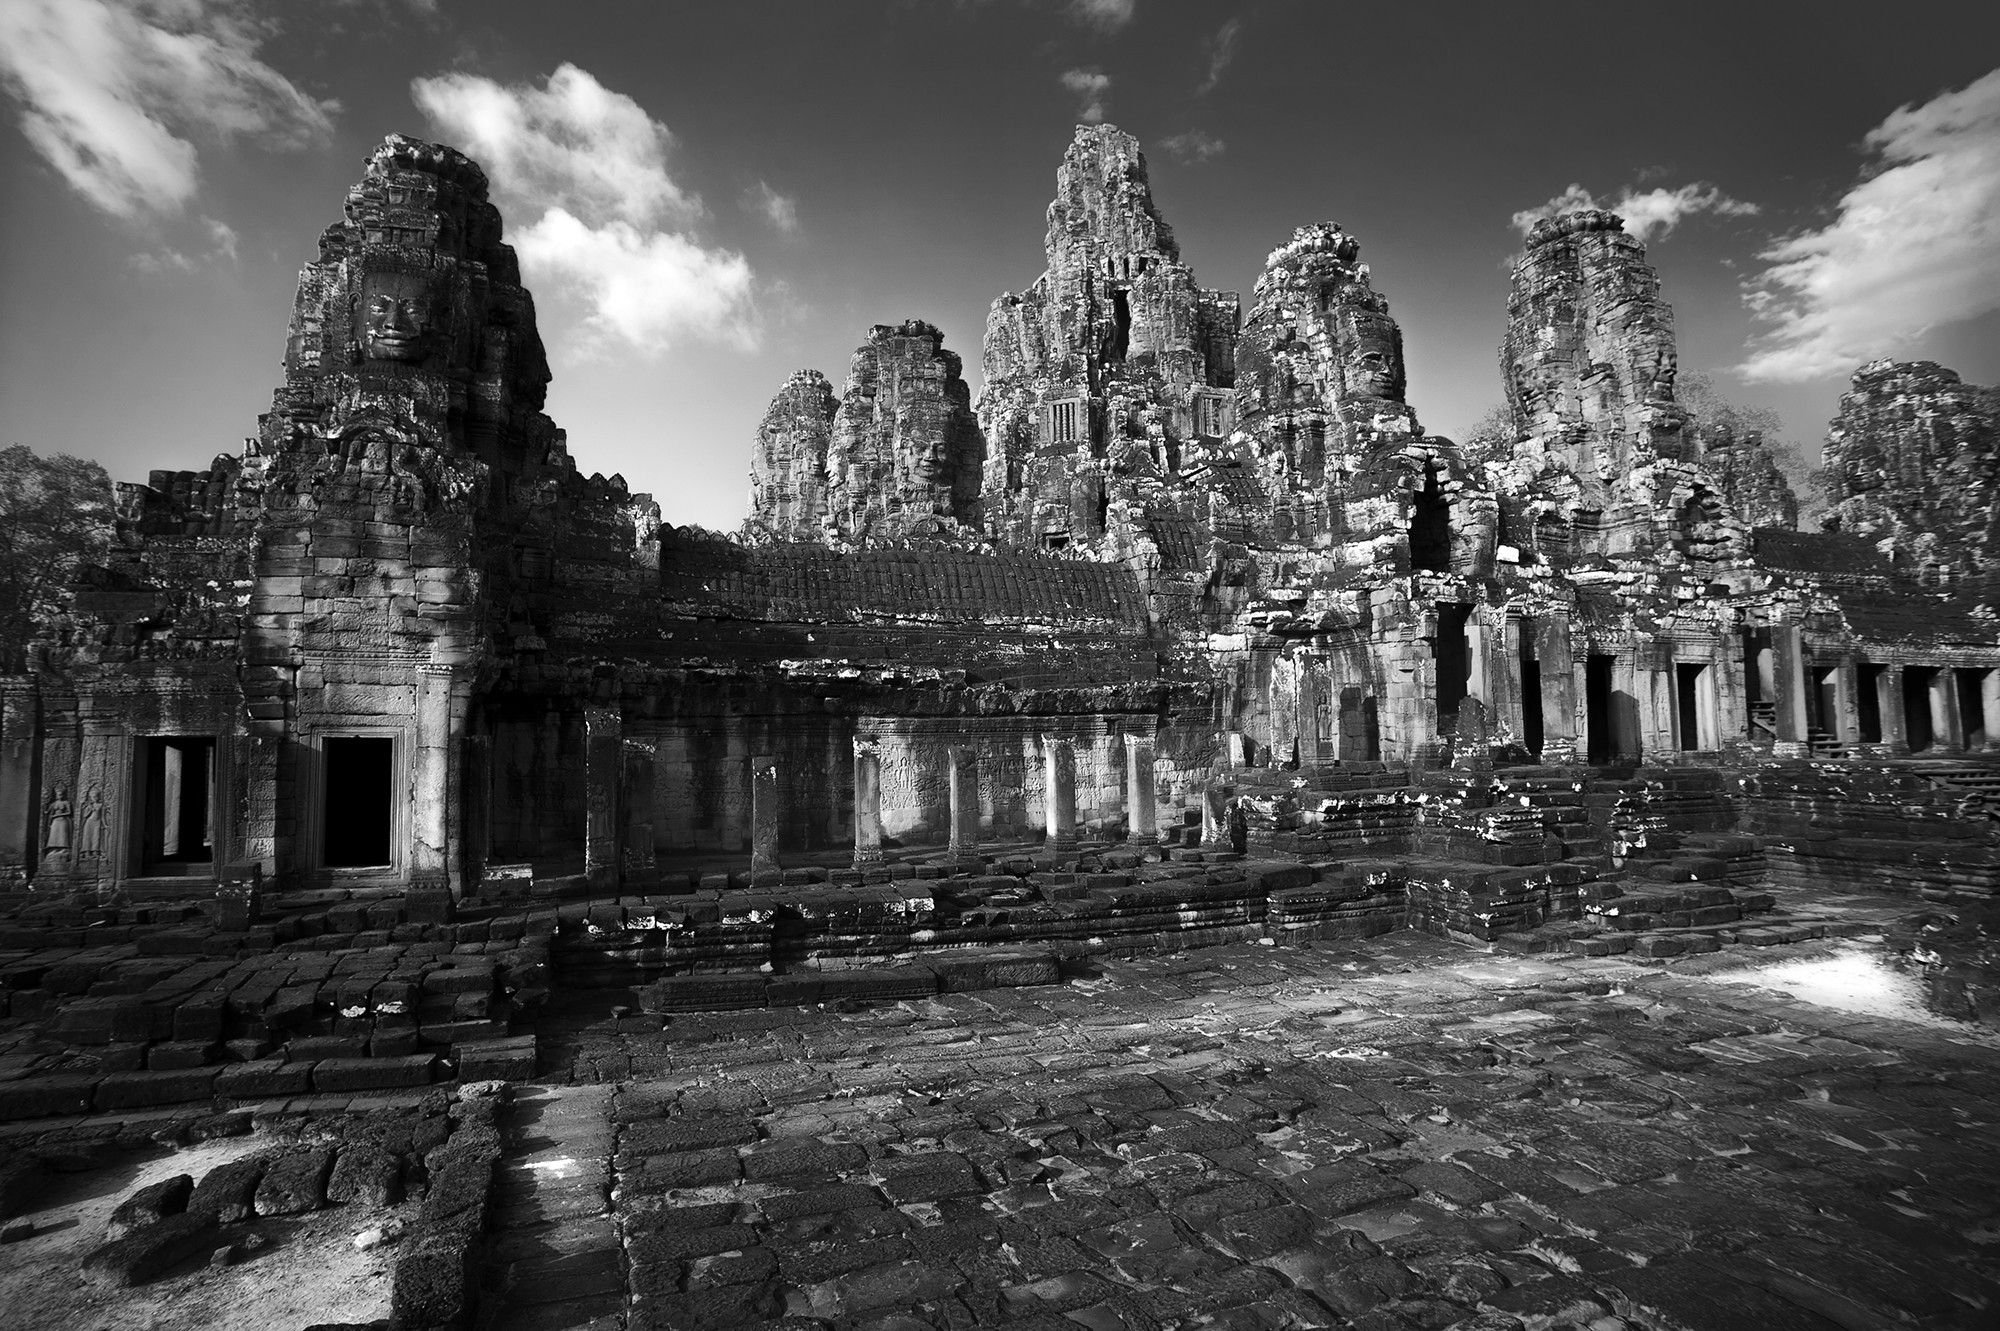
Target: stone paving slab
(1401, 1135)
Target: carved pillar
(1559, 693)
(1889, 701)
(1631, 705)
(603, 765)
(964, 791)
(1059, 791)
(440, 719)
(20, 748)
(767, 815)
(1141, 801)
(1478, 642)
(1945, 731)
(1847, 715)
(1789, 665)
(867, 803)
(1989, 707)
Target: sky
(707, 197)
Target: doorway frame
(312, 815)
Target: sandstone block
(145, 1253)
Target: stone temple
(1180, 567)
(374, 753)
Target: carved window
(1065, 422)
(1211, 415)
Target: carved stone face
(1373, 365)
(396, 314)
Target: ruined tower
(1112, 364)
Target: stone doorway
(176, 805)
(356, 811)
(1600, 745)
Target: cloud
(221, 250)
(1915, 244)
(1092, 89)
(114, 95)
(1193, 146)
(1221, 50)
(1104, 15)
(647, 289)
(614, 228)
(780, 210)
(1653, 211)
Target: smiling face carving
(395, 317)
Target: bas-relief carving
(395, 316)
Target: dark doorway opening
(1825, 699)
(1430, 526)
(1687, 703)
(1454, 663)
(1868, 703)
(1972, 707)
(1121, 333)
(1360, 731)
(1600, 747)
(176, 804)
(356, 812)
(1917, 728)
(1531, 691)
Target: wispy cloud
(614, 228)
(1193, 146)
(1646, 212)
(1092, 89)
(780, 210)
(1915, 245)
(1104, 15)
(1221, 50)
(115, 95)
(221, 249)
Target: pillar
(603, 764)
(1059, 791)
(1889, 697)
(1847, 714)
(963, 781)
(1478, 681)
(1989, 706)
(433, 781)
(1559, 691)
(1945, 730)
(767, 816)
(1789, 697)
(1141, 800)
(867, 803)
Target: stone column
(1478, 684)
(1559, 692)
(1789, 698)
(963, 777)
(432, 781)
(767, 816)
(1945, 731)
(1059, 791)
(1989, 707)
(867, 803)
(1630, 710)
(1847, 711)
(603, 764)
(1889, 701)
(20, 742)
(1141, 800)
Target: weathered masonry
(400, 641)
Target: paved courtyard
(1401, 1134)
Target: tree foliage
(55, 516)
(1715, 415)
